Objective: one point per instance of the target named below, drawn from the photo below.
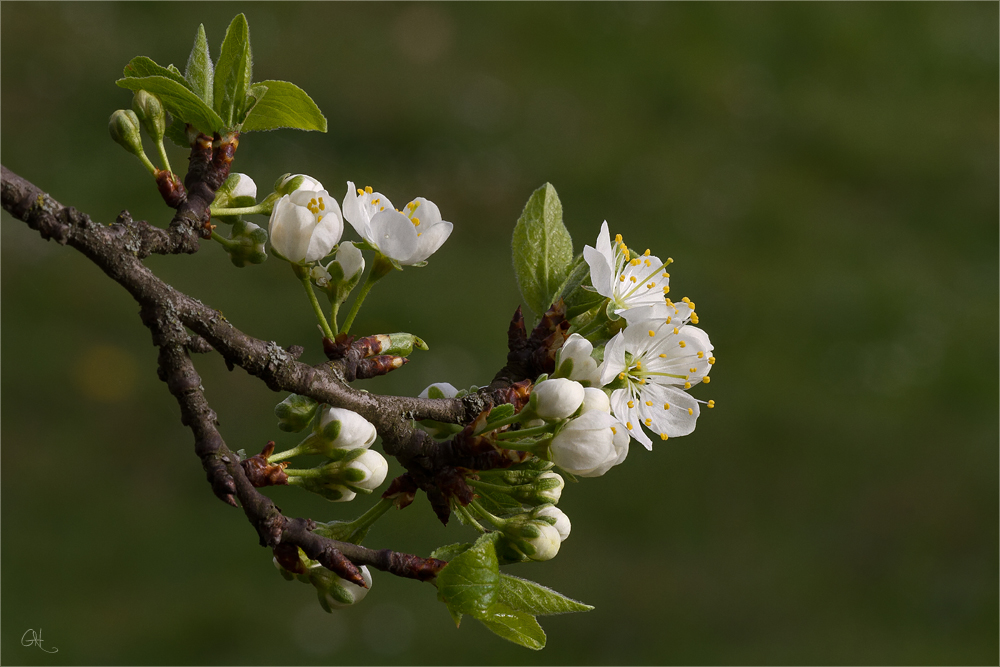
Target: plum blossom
(305, 225)
(656, 361)
(409, 236)
(630, 282)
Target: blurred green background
(825, 177)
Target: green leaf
(178, 100)
(497, 502)
(468, 584)
(502, 411)
(573, 290)
(200, 71)
(515, 626)
(254, 96)
(456, 616)
(177, 133)
(527, 596)
(285, 105)
(542, 249)
(449, 551)
(233, 72)
(141, 66)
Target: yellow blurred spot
(105, 373)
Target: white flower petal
(429, 240)
(393, 234)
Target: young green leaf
(178, 100)
(285, 105)
(449, 551)
(468, 584)
(527, 596)
(200, 72)
(515, 626)
(542, 249)
(497, 502)
(502, 411)
(254, 96)
(177, 133)
(573, 290)
(141, 66)
(233, 72)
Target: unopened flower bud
(556, 399)
(238, 191)
(367, 471)
(295, 412)
(596, 399)
(574, 361)
(245, 244)
(337, 428)
(337, 593)
(342, 274)
(536, 539)
(149, 110)
(586, 445)
(558, 517)
(439, 390)
(291, 182)
(124, 128)
(336, 493)
(544, 488)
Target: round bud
(124, 128)
(149, 110)
(556, 399)
(561, 521)
(295, 412)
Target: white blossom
(291, 182)
(574, 361)
(409, 236)
(657, 360)
(346, 265)
(556, 398)
(305, 225)
(439, 390)
(355, 592)
(630, 282)
(595, 399)
(243, 187)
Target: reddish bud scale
(414, 567)
(287, 556)
(222, 158)
(261, 473)
(171, 188)
(380, 365)
(402, 491)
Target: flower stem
(492, 426)
(303, 275)
(524, 432)
(163, 154)
(467, 515)
(245, 210)
(495, 520)
(226, 243)
(381, 267)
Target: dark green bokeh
(824, 175)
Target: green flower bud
(245, 244)
(239, 191)
(295, 412)
(535, 538)
(289, 183)
(358, 470)
(149, 110)
(341, 275)
(124, 128)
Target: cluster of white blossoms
(307, 223)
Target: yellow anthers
(642, 380)
(664, 436)
(687, 385)
(666, 406)
(621, 376)
(711, 404)
(706, 379)
(691, 305)
(618, 238)
(694, 319)
(621, 279)
(368, 189)
(711, 360)
(648, 262)
(650, 285)
(375, 202)
(676, 331)
(649, 403)
(634, 262)
(628, 425)
(646, 254)
(322, 204)
(666, 289)
(669, 319)
(694, 370)
(613, 430)
(682, 344)
(415, 221)
(701, 355)
(651, 333)
(686, 300)
(648, 421)
(638, 365)
(630, 404)
(663, 356)
(413, 205)
(623, 248)
(669, 302)
(360, 191)
(633, 278)
(690, 411)
(319, 219)
(665, 275)
(419, 234)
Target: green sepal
(577, 291)
(285, 105)
(502, 411)
(542, 249)
(200, 73)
